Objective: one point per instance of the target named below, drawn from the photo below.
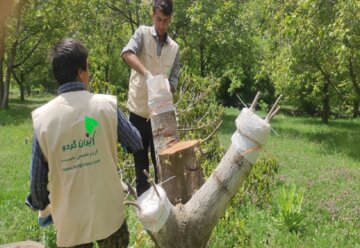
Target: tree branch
(116, 9)
(208, 137)
(16, 78)
(194, 102)
(29, 54)
(28, 36)
(183, 129)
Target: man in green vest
(74, 180)
(149, 52)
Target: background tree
(346, 31)
(5, 10)
(308, 54)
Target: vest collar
(154, 34)
(71, 86)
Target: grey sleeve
(135, 43)
(174, 76)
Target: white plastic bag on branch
(160, 98)
(154, 210)
(252, 133)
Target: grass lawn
(322, 159)
(325, 161)
(17, 222)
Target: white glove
(148, 75)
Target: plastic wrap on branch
(160, 98)
(252, 132)
(153, 208)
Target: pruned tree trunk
(164, 129)
(190, 225)
(170, 162)
(188, 177)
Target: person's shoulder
(44, 109)
(172, 42)
(105, 98)
(143, 29)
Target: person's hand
(44, 218)
(148, 75)
(45, 221)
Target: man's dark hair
(67, 57)
(165, 6)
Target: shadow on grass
(19, 112)
(339, 136)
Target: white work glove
(148, 75)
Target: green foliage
(307, 54)
(199, 114)
(263, 106)
(49, 237)
(289, 213)
(260, 184)
(219, 38)
(299, 48)
(232, 229)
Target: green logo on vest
(90, 125)
(90, 129)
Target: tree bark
(356, 88)
(9, 68)
(326, 100)
(202, 59)
(356, 108)
(5, 100)
(164, 129)
(325, 94)
(11, 58)
(2, 46)
(181, 160)
(2, 51)
(190, 225)
(21, 85)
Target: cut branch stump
(176, 158)
(181, 160)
